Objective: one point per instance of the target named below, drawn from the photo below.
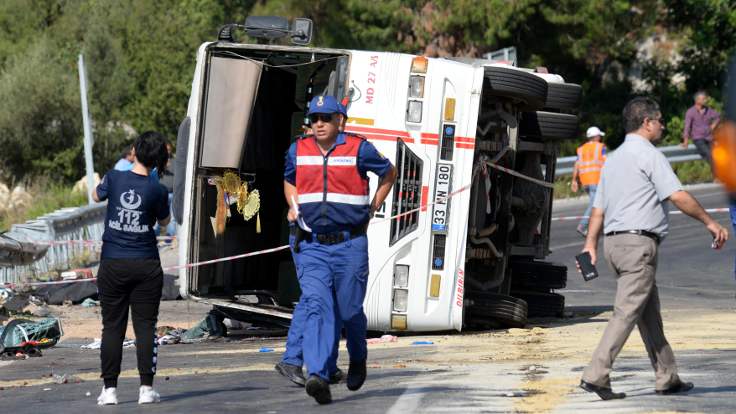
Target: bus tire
(563, 96)
(494, 310)
(549, 126)
(531, 90)
(542, 304)
(537, 274)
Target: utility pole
(88, 140)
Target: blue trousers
(333, 279)
(590, 189)
(294, 354)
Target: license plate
(441, 191)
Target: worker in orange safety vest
(587, 170)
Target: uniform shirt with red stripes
(345, 204)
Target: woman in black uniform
(130, 274)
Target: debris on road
(263, 350)
(382, 339)
(422, 343)
(67, 379)
(22, 338)
(97, 343)
(89, 303)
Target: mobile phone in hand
(586, 266)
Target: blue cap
(326, 105)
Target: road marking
(565, 246)
(408, 402)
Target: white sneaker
(147, 395)
(108, 396)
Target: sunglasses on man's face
(314, 118)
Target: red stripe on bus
(431, 136)
(430, 142)
(371, 137)
(425, 193)
(465, 139)
(465, 146)
(377, 131)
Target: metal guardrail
(674, 154)
(52, 230)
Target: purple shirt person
(700, 121)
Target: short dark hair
(126, 151)
(637, 110)
(150, 150)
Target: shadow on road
(580, 314)
(203, 393)
(399, 391)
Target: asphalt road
(689, 272)
(235, 377)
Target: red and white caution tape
(520, 175)
(225, 259)
(438, 200)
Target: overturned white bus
(458, 241)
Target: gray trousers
(634, 260)
(703, 146)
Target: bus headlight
(401, 276)
(401, 300)
(414, 112)
(416, 87)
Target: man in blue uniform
(326, 186)
(292, 360)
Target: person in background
(587, 170)
(125, 163)
(166, 178)
(700, 120)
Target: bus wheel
(530, 89)
(563, 96)
(532, 274)
(493, 310)
(548, 125)
(542, 304)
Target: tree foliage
(140, 58)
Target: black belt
(653, 236)
(330, 238)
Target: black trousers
(134, 284)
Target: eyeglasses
(314, 118)
(659, 120)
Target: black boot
(678, 388)
(292, 372)
(604, 392)
(356, 375)
(337, 377)
(319, 389)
